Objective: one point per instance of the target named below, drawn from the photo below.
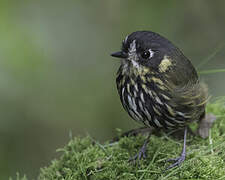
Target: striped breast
(146, 100)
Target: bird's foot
(177, 161)
(140, 155)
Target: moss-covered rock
(84, 158)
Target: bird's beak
(119, 54)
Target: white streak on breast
(147, 114)
(135, 94)
(140, 105)
(157, 122)
(169, 124)
(180, 113)
(136, 87)
(130, 102)
(123, 96)
(134, 104)
(158, 100)
(142, 97)
(134, 116)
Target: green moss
(84, 158)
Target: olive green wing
(188, 95)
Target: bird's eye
(145, 54)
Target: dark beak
(119, 54)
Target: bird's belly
(149, 113)
(149, 107)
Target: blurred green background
(57, 76)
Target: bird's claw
(177, 161)
(140, 155)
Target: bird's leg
(181, 158)
(142, 152)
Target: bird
(158, 86)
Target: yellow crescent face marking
(165, 64)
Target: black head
(146, 48)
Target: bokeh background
(57, 78)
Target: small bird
(158, 86)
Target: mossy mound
(84, 158)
